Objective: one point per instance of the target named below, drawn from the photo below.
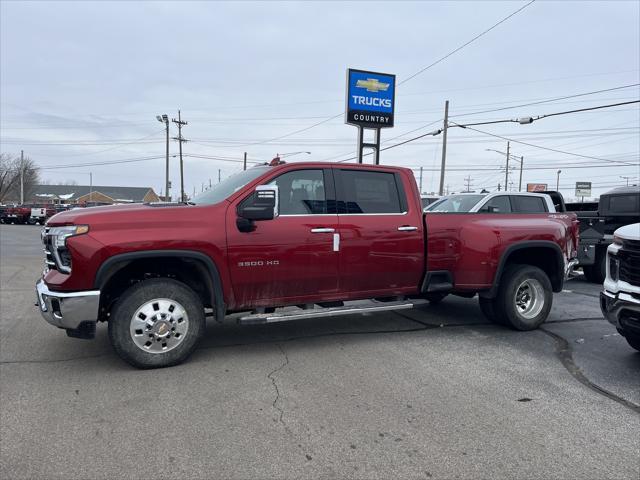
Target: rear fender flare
(556, 283)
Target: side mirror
(492, 209)
(262, 205)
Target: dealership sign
(536, 187)
(583, 189)
(370, 99)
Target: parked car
(620, 299)
(320, 239)
(498, 202)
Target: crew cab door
(381, 233)
(290, 258)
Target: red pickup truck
(288, 241)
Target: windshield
(228, 186)
(456, 203)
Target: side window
(369, 192)
(499, 204)
(525, 204)
(302, 192)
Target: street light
(558, 181)
(164, 118)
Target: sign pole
(377, 148)
(360, 143)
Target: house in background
(90, 195)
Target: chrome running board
(296, 313)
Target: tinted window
(522, 204)
(623, 204)
(456, 203)
(302, 192)
(499, 204)
(369, 192)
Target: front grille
(631, 245)
(629, 270)
(49, 258)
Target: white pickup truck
(620, 299)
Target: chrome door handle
(407, 228)
(323, 230)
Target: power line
(546, 101)
(495, 25)
(419, 72)
(436, 132)
(546, 148)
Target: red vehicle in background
(33, 214)
(290, 241)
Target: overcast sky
(83, 82)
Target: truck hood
(138, 213)
(629, 232)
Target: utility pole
(468, 182)
(626, 178)
(90, 186)
(506, 173)
(164, 118)
(521, 167)
(179, 138)
(498, 187)
(209, 183)
(444, 145)
(421, 181)
(21, 177)
(558, 181)
(218, 175)
(245, 161)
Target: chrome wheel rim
(159, 325)
(529, 298)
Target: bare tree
(10, 169)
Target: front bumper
(621, 309)
(67, 309)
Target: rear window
(523, 204)
(369, 192)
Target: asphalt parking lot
(435, 392)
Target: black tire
(435, 297)
(135, 298)
(633, 340)
(488, 307)
(528, 280)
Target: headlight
(58, 241)
(60, 234)
(617, 240)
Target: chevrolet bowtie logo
(372, 85)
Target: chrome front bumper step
(67, 309)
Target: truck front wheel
(633, 340)
(156, 323)
(525, 297)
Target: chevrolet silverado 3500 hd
(317, 238)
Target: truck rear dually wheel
(525, 297)
(156, 323)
